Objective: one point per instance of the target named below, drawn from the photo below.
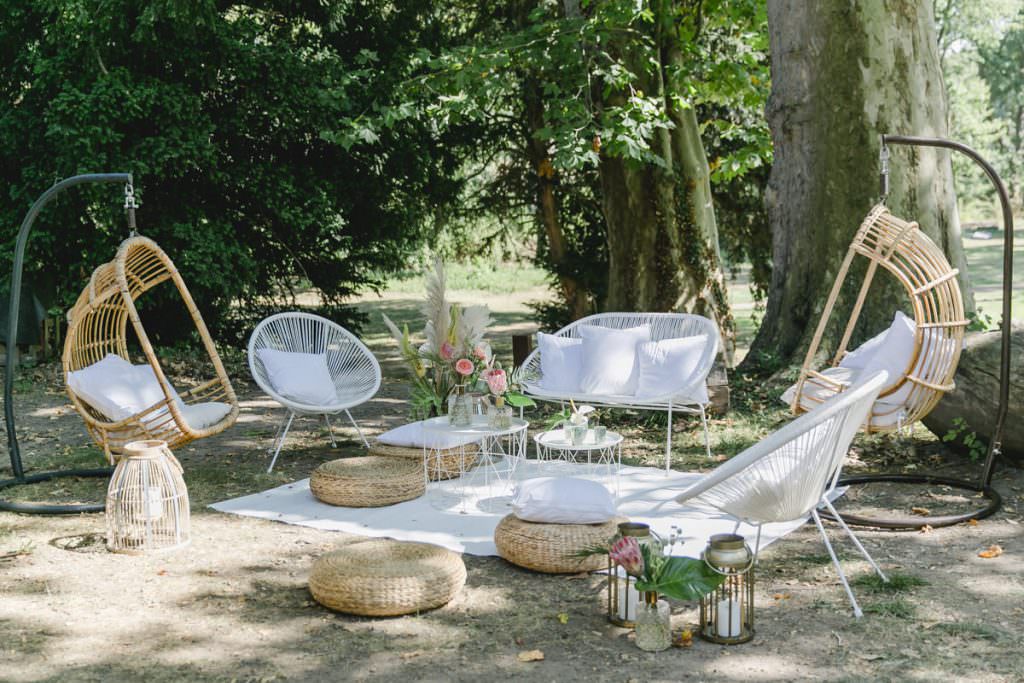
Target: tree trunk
(574, 296)
(663, 252)
(976, 397)
(843, 73)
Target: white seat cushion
(563, 500)
(895, 351)
(301, 377)
(817, 392)
(609, 359)
(413, 435)
(561, 361)
(204, 415)
(666, 367)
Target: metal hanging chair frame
(98, 325)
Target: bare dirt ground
(234, 605)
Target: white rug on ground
(461, 515)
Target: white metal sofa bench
(688, 396)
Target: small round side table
(553, 445)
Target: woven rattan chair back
(902, 249)
(98, 325)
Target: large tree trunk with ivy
(663, 252)
(843, 73)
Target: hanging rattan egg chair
(909, 255)
(98, 328)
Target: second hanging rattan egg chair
(903, 250)
(98, 328)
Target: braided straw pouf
(383, 578)
(551, 548)
(444, 464)
(369, 481)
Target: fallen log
(976, 397)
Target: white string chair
(663, 326)
(794, 471)
(907, 253)
(98, 326)
(354, 369)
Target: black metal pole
(995, 442)
(12, 335)
(984, 486)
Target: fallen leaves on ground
(563, 618)
(782, 596)
(972, 522)
(992, 551)
(926, 529)
(924, 512)
(530, 656)
(683, 638)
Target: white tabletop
(556, 439)
(477, 427)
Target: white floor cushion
(413, 435)
(301, 377)
(609, 359)
(563, 500)
(666, 367)
(561, 361)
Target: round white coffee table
(554, 445)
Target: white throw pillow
(203, 415)
(895, 352)
(561, 360)
(563, 500)
(301, 377)
(413, 435)
(609, 359)
(116, 388)
(667, 366)
(861, 355)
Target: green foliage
(226, 114)
(897, 583)
(961, 433)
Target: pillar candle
(728, 619)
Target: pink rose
(464, 367)
(482, 351)
(497, 381)
(626, 553)
(447, 351)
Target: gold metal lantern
(623, 597)
(147, 501)
(727, 613)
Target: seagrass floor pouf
(384, 578)
(553, 548)
(446, 463)
(368, 481)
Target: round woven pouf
(446, 463)
(552, 548)
(384, 578)
(369, 481)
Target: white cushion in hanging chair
(204, 415)
(118, 389)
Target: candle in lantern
(728, 618)
(628, 599)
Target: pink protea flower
(626, 553)
(447, 351)
(483, 352)
(464, 367)
(497, 381)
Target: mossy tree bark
(843, 73)
(662, 235)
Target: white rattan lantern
(147, 501)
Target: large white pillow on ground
(563, 500)
(116, 388)
(609, 359)
(666, 367)
(301, 377)
(413, 435)
(561, 360)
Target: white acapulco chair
(690, 397)
(353, 367)
(794, 471)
